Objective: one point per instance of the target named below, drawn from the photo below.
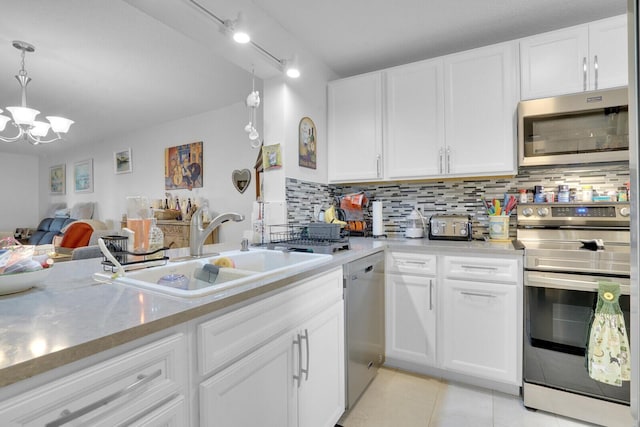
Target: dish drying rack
(130, 260)
(312, 237)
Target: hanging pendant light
(253, 102)
(24, 118)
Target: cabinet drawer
(410, 263)
(482, 269)
(226, 338)
(108, 393)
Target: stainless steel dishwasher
(364, 319)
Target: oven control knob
(463, 231)
(543, 211)
(624, 211)
(527, 211)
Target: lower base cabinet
(479, 321)
(411, 319)
(294, 380)
(470, 306)
(143, 387)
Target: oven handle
(546, 280)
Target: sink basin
(249, 266)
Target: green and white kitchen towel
(608, 358)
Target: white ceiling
(115, 66)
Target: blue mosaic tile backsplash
(452, 196)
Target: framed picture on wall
(83, 176)
(57, 179)
(307, 143)
(183, 167)
(122, 161)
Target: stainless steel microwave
(586, 127)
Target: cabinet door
(480, 330)
(322, 387)
(481, 103)
(258, 390)
(554, 63)
(414, 131)
(355, 128)
(411, 319)
(608, 56)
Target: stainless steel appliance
(364, 319)
(450, 227)
(563, 264)
(578, 128)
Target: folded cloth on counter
(608, 358)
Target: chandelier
(24, 118)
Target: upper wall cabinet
(414, 131)
(481, 98)
(445, 117)
(585, 57)
(355, 128)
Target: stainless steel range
(568, 249)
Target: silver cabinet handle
(430, 294)
(440, 167)
(298, 342)
(305, 337)
(478, 267)
(379, 174)
(68, 416)
(411, 262)
(474, 294)
(584, 73)
(448, 160)
(595, 68)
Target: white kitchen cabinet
(410, 306)
(414, 131)
(144, 387)
(259, 390)
(292, 374)
(445, 117)
(480, 99)
(321, 390)
(355, 128)
(481, 320)
(585, 57)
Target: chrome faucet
(197, 234)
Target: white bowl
(12, 283)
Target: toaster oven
(450, 227)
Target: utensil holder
(499, 227)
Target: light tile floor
(400, 399)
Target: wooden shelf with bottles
(176, 233)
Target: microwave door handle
(584, 73)
(595, 68)
(533, 279)
(440, 161)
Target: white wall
(19, 195)
(287, 101)
(225, 148)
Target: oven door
(558, 309)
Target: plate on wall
(18, 282)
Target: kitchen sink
(178, 278)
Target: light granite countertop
(70, 316)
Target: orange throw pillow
(77, 234)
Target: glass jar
(563, 193)
(524, 197)
(156, 240)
